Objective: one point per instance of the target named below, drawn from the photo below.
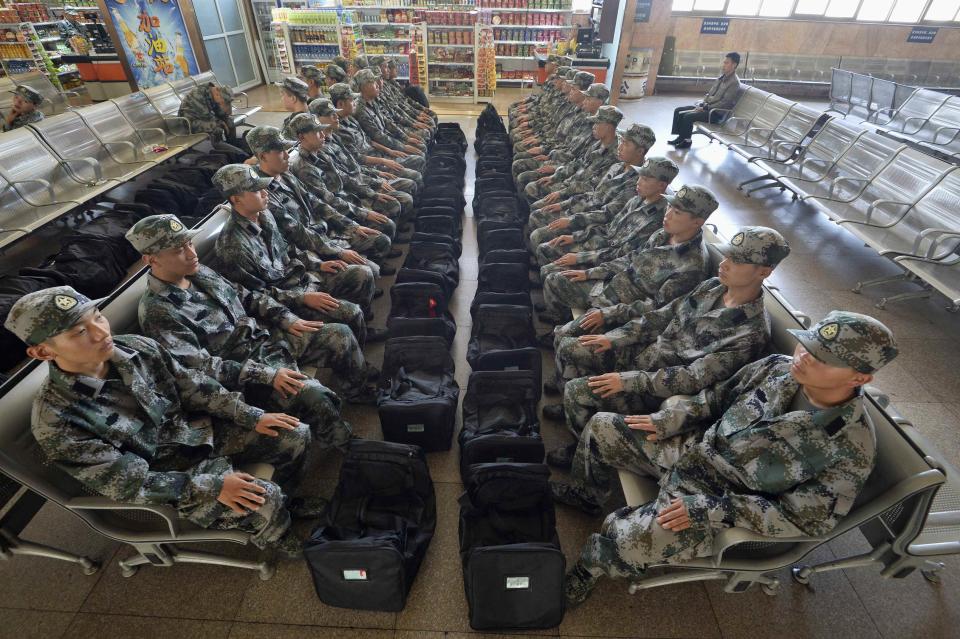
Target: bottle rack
(26, 53)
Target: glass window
(876, 10)
(743, 7)
(811, 7)
(776, 8)
(709, 5)
(843, 8)
(230, 14)
(942, 10)
(907, 11)
(682, 5)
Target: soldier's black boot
(578, 584)
(571, 496)
(562, 457)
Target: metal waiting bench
(156, 532)
(737, 120)
(737, 130)
(782, 142)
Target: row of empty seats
(49, 168)
(900, 201)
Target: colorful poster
(154, 39)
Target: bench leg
(903, 277)
(10, 546)
(882, 303)
(752, 180)
(801, 574)
(166, 555)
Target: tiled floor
(44, 598)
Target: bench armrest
(927, 233)
(93, 164)
(168, 514)
(730, 537)
(168, 119)
(153, 130)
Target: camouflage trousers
(580, 404)
(526, 186)
(413, 165)
(538, 220)
(630, 538)
(376, 247)
(347, 313)
(356, 284)
(335, 347)
(522, 163)
(574, 360)
(561, 294)
(388, 228)
(286, 453)
(315, 405)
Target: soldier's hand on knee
(675, 516)
(570, 259)
(552, 198)
(240, 493)
(270, 423)
(302, 326)
(575, 276)
(599, 344)
(332, 266)
(366, 231)
(606, 385)
(319, 301)
(644, 423)
(377, 218)
(288, 382)
(558, 224)
(352, 257)
(591, 320)
(542, 158)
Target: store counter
(596, 66)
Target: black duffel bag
(420, 308)
(500, 327)
(504, 208)
(376, 530)
(446, 223)
(436, 257)
(405, 275)
(503, 278)
(513, 566)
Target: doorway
(229, 49)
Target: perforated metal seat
(55, 101)
(125, 142)
(915, 112)
(142, 114)
(841, 84)
(761, 125)
(739, 118)
(784, 141)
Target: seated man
(671, 263)
(634, 208)
(723, 95)
(411, 119)
(414, 105)
(294, 95)
(336, 73)
(211, 325)
(252, 252)
(24, 109)
(788, 451)
(125, 419)
(209, 109)
(680, 349)
(315, 78)
(380, 130)
(522, 106)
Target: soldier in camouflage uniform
(580, 176)
(671, 263)
(209, 109)
(524, 106)
(24, 109)
(353, 138)
(334, 73)
(552, 134)
(584, 213)
(252, 251)
(294, 96)
(697, 340)
(397, 104)
(125, 419)
(311, 225)
(528, 127)
(361, 185)
(394, 88)
(385, 135)
(314, 175)
(315, 78)
(787, 454)
(211, 324)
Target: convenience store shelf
(451, 79)
(450, 64)
(313, 27)
(313, 59)
(366, 39)
(462, 27)
(448, 46)
(528, 10)
(529, 58)
(384, 24)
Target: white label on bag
(518, 583)
(415, 428)
(355, 575)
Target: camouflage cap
(28, 94)
(758, 245)
(361, 62)
(297, 87)
(571, 73)
(225, 91)
(268, 138)
(313, 73)
(583, 79)
(156, 233)
(376, 60)
(642, 135)
(392, 63)
(364, 76)
(553, 58)
(239, 178)
(698, 201)
(38, 316)
(322, 108)
(336, 72)
(340, 61)
(598, 90)
(303, 123)
(846, 339)
(341, 91)
(662, 169)
(562, 72)
(607, 114)
(377, 71)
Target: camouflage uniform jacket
(305, 166)
(294, 207)
(389, 104)
(374, 125)
(578, 138)
(207, 327)
(394, 89)
(353, 137)
(599, 206)
(355, 180)
(24, 119)
(579, 176)
(628, 231)
(691, 343)
(548, 114)
(561, 134)
(128, 437)
(649, 278)
(258, 257)
(761, 466)
(204, 115)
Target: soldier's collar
(84, 384)
(832, 420)
(246, 223)
(166, 289)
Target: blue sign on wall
(923, 35)
(715, 26)
(642, 13)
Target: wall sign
(715, 26)
(154, 39)
(642, 13)
(922, 35)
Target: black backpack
(436, 257)
(500, 419)
(513, 566)
(501, 207)
(447, 223)
(405, 275)
(377, 528)
(439, 238)
(500, 327)
(505, 256)
(418, 394)
(420, 308)
(517, 359)
(499, 277)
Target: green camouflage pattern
(263, 139)
(203, 114)
(38, 316)
(23, 120)
(303, 123)
(598, 90)
(846, 339)
(606, 114)
(342, 91)
(297, 87)
(232, 179)
(156, 233)
(659, 168)
(336, 73)
(695, 200)
(29, 94)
